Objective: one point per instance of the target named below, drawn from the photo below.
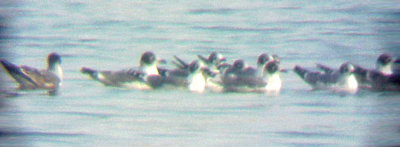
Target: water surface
(113, 34)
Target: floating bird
(342, 80)
(146, 77)
(262, 60)
(215, 63)
(384, 64)
(212, 62)
(196, 79)
(365, 77)
(192, 75)
(379, 81)
(241, 78)
(234, 79)
(30, 78)
(274, 82)
(384, 82)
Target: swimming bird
(384, 64)
(262, 60)
(196, 79)
(274, 82)
(192, 75)
(363, 75)
(233, 78)
(379, 81)
(30, 78)
(342, 80)
(212, 62)
(384, 82)
(241, 78)
(146, 77)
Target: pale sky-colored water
(113, 35)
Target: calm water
(112, 35)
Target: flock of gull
(213, 73)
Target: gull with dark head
(384, 64)
(364, 76)
(32, 78)
(241, 78)
(262, 60)
(196, 78)
(342, 80)
(233, 77)
(385, 82)
(192, 75)
(272, 74)
(146, 77)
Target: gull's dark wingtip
(11, 68)
(324, 68)
(86, 70)
(91, 72)
(182, 64)
(299, 70)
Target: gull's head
(216, 58)
(239, 65)
(194, 67)
(383, 63)
(54, 65)
(263, 59)
(148, 58)
(53, 60)
(346, 68)
(148, 64)
(272, 67)
(384, 59)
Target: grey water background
(113, 34)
